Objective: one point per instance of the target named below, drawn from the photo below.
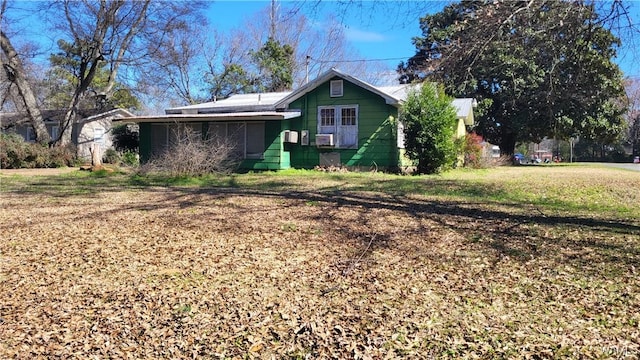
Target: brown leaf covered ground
(322, 266)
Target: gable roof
(54, 116)
(274, 105)
(392, 94)
(115, 113)
(464, 109)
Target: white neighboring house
(93, 130)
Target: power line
(359, 60)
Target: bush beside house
(429, 126)
(16, 153)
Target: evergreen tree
(429, 125)
(275, 63)
(539, 68)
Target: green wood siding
(376, 128)
(377, 144)
(276, 157)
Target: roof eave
(181, 118)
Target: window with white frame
(98, 135)
(342, 122)
(327, 117)
(348, 116)
(336, 88)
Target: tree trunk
(16, 74)
(507, 143)
(96, 155)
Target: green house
(335, 120)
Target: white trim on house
(122, 112)
(240, 116)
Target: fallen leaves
(181, 273)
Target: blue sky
(371, 33)
(384, 33)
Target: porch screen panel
(217, 133)
(255, 140)
(195, 129)
(176, 134)
(236, 137)
(158, 138)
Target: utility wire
(360, 60)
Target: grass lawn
(513, 262)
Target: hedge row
(15, 153)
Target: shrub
(429, 126)
(191, 155)
(16, 153)
(62, 156)
(130, 158)
(11, 151)
(111, 157)
(472, 149)
(126, 137)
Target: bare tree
(228, 64)
(318, 44)
(176, 64)
(96, 34)
(16, 75)
(99, 32)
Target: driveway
(628, 166)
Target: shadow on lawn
(519, 236)
(504, 228)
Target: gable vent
(336, 88)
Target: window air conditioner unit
(324, 139)
(291, 136)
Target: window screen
(159, 138)
(255, 140)
(236, 136)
